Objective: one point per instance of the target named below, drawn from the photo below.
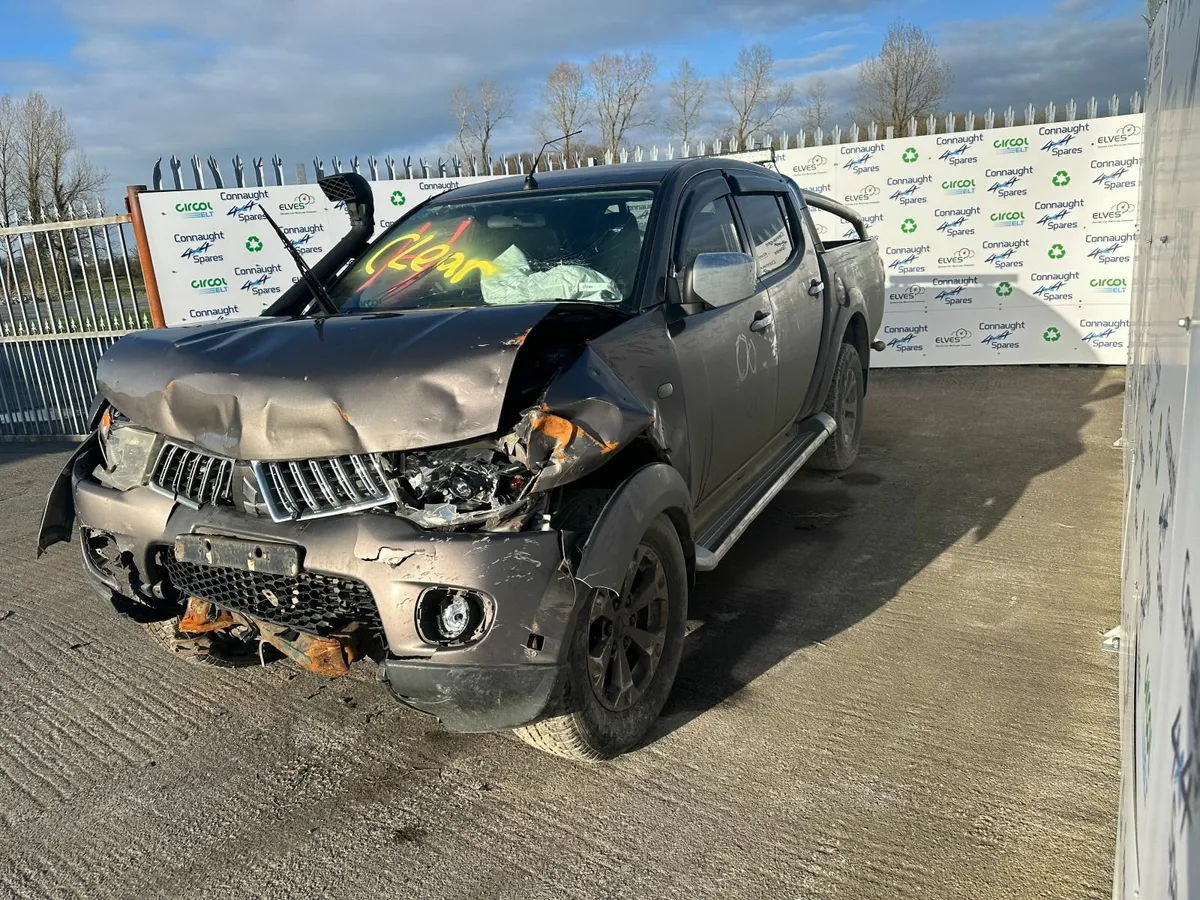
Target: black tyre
(624, 656)
(844, 404)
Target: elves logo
(958, 259)
(869, 194)
(954, 339)
(912, 295)
(811, 166)
(301, 203)
(1119, 212)
(1123, 135)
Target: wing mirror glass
(718, 279)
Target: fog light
(451, 616)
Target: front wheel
(844, 404)
(623, 657)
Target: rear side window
(770, 236)
(710, 229)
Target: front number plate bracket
(250, 556)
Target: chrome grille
(192, 476)
(311, 488)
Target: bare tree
(754, 97)
(687, 94)
(817, 110)
(478, 114)
(621, 84)
(41, 165)
(908, 78)
(564, 104)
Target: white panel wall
(1158, 836)
(1009, 245)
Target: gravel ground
(897, 691)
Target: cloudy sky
(140, 79)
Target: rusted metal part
(329, 656)
(202, 617)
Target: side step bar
(814, 432)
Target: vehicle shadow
(946, 454)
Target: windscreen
(581, 246)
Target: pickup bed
(488, 449)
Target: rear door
(726, 355)
(789, 270)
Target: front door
(788, 268)
(727, 354)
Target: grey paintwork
(295, 388)
(685, 401)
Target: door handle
(762, 321)
(816, 288)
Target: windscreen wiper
(314, 285)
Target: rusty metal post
(134, 205)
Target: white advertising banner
(1158, 840)
(1009, 245)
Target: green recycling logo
(908, 226)
(910, 155)
(1058, 251)
(398, 198)
(253, 244)
(1051, 334)
(1004, 289)
(1061, 179)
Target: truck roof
(621, 175)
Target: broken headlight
(126, 450)
(460, 486)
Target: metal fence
(208, 172)
(69, 287)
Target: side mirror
(719, 279)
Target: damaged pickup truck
(491, 448)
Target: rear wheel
(624, 656)
(844, 404)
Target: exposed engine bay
(462, 487)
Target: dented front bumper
(505, 678)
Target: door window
(770, 236)
(710, 229)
